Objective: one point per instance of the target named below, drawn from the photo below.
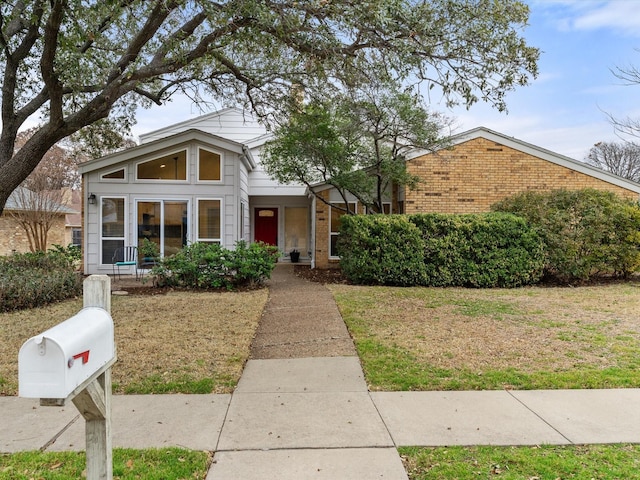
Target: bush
(488, 250)
(381, 249)
(31, 280)
(211, 266)
(479, 250)
(587, 233)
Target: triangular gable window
(115, 175)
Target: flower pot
(295, 256)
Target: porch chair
(125, 257)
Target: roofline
(539, 152)
(155, 145)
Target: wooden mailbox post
(72, 361)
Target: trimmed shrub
(381, 249)
(587, 232)
(488, 250)
(480, 250)
(211, 266)
(31, 280)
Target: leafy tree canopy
(76, 62)
(355, 142)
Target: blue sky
(564, 109)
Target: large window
(169, 167)
(163, 222)
(336, 211)
(209, 221)
(112, 231)
(209, 166)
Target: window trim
(114, 180)
(335, 234)
(100, 217)
(162, 201)
(220, 240)
(210, 150)
(156, 157)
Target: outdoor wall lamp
(92, 199)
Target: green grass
(390, 368)
(391, 362)
(152, 464)
(585, 462)
(157, 384)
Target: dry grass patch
(453, 334)
(188, 342)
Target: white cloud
(588, 15)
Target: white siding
(260, 184)
(232, 124)
(133, 190)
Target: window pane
(113, 217)
(175, 227)
(108, 249)
(334, 250)
(208, 219)
(149, 217)
(118, 174)
(170, 167)
(209, 167)
(335, 216)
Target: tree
(627, 126)
(356, 142)
(619, 158)
(78, 62)
(40, 201)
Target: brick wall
(14, 239)
(321, 241)
(474, 175)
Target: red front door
(266, 225)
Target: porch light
(92, 199)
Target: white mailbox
(55, 363)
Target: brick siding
(14, 239)
(474, 175)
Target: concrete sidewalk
(302, 409)
(313, 417)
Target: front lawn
(483, 339)
(151, 464)
(578, 462)
(179, 342)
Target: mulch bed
(320, 275)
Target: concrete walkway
(302, 409)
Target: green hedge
(381, 249)
(31, 280)
(484, 250)
(587, 233)
(211, 266)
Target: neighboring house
(73, 221)
(201, 181)
(13, 238)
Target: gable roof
(533, 150)
(166, 142)
(230, 123)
